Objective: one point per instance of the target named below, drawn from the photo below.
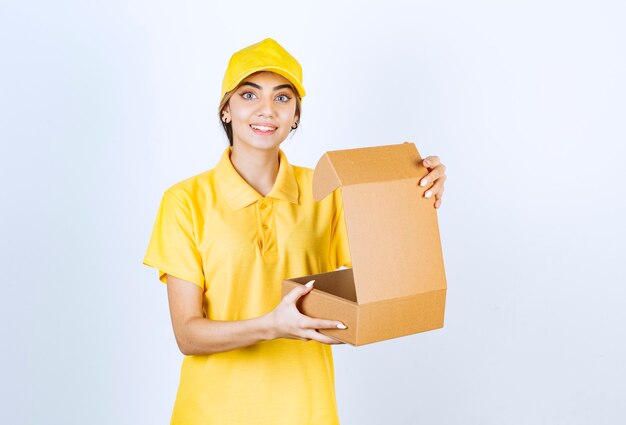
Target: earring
(295, 125)
(225, 118)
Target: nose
(266, 107)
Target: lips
(263, 129)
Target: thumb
(299, 291)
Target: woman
(225, 239)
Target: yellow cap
(266, 55)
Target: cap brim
(281, 71)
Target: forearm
(205, 336)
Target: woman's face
(262, 110)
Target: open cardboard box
(397, 283)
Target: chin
(263, 143)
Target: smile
(263, 129)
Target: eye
(248, 95)
(283, 98)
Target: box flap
(392, 229)
(365, 165)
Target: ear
(226, 114)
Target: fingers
(299, 291)
(436, 189)
(309, 329)
(438, 197)
(436, 177)
(438, 172)
(312, 323)
(324, 339)
(309, 322)
(431, 162)
(299, 326)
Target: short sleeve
(172, 248)
(339, 246)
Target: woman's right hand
(286, 321)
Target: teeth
(262, 128)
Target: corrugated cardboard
(397, 283)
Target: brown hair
(228, 128)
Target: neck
(258, 168)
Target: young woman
(225, 239)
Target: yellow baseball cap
(266, 55)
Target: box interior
(339, 283)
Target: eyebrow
(282, 86)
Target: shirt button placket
(268, 236)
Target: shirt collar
(238, 193)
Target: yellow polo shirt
(216, 231)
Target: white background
(103, 105)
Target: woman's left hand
(435, 179)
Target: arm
(197, 335)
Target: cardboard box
(397, 283)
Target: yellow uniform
(216, 231)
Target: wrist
(267, 327)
